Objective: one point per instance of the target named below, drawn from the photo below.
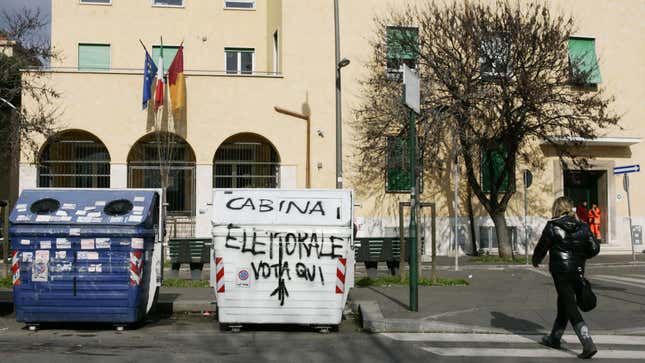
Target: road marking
(509, 338)
(639, 283)
(529, 353)
(449, 313)
(543, 273)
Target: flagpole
(144, 47)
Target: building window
(240, 4)
(583, 61)
(168, 2)
(240, 60)
(101, 2)
(495, 56)
(74, 159)
(246, 161)
(169, 53)
(397, 178)
(154, 155)
(276, 53)
(402, 47)
(492, 167)
(93, 57)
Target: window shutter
(492, 167)
(402, 43)
(583, 60)
(398, 165)
(93, 57)
(169, 53)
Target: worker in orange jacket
(594, 220)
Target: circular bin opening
(44, 206)
(118, 207)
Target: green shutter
(492, 167)
(582, 56)
(398, 165)
(402, 43)
(93, 57)
(169, 53)
(240, 50)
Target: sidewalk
(516, 299)
(500, 299)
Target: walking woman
(569, 243)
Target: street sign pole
(528, 179)
(412, 99)
(629, 212)
(414, 288)
(455, 171)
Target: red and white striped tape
(341, 269)
(219, 275)
(15, 268)
(136, 267)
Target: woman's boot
(588, 347)
(553, 340)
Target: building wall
(108, 104)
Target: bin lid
(305, 207)
(124, 207)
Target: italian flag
(159, 89)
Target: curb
(373, 321)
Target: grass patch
(184, 283)
(497, 259)
(6, 282)
(397, 280)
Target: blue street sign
(627, 169)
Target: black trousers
(567, 284)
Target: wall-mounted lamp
(320, 133)
(343, 63)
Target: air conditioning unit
(488, 237)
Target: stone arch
(246, 160)
(163, 153)
(74, 159)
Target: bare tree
(22, 128)
(496, 81)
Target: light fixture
(343, 63)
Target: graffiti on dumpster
(296, 245)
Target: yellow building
(245, 61)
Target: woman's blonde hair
(562, 206)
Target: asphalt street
(196, 338)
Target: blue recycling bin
(85, 255)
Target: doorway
(589, 186)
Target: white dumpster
(282, 256)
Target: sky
(17, 5)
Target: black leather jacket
(569, 243)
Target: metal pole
(414, 299)
(629, 211)
(402, 243)
(5, 234)
(339, 126)
(526, 231)
(455, 168)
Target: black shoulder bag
(585, 297)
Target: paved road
(193, 338)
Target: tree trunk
(471, 218)
(503, 238)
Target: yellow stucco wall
(218, 106)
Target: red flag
(159, 89)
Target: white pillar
(288, 176)
(28, 178)
(203, 200)
(118, 176)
